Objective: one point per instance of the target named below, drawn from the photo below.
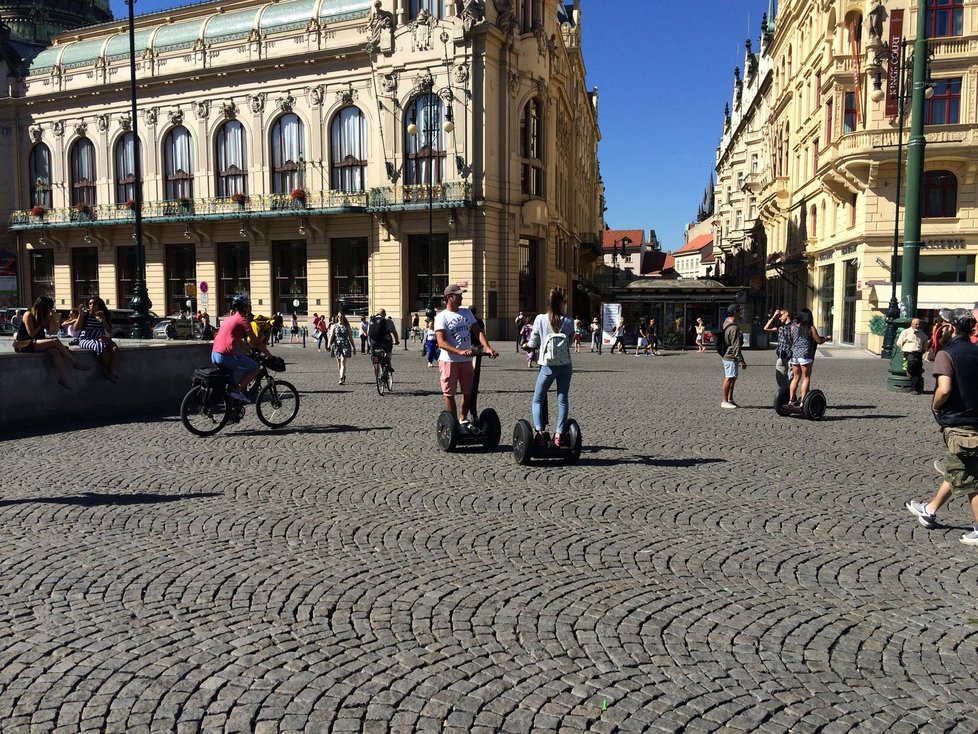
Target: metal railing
(451, 194)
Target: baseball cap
(733, 308)
(454, 289)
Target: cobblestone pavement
(699, 570)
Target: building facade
(824, 180)
(318, 156)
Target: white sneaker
(728, 405)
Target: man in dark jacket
(955, 407)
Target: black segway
(812, 408)
(486, 429)
(524, 451)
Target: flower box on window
(82, 212)
(38, 211)
(239, 199)
(130, 204)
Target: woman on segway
(804, 341)
(555, 364)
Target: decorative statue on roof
(876, 17)
(380, 20)
(472, 12)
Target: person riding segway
(455, 329)
(552, 333)
(796, 398)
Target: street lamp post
(430, 97)
(140, 302)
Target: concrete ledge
(153, 378)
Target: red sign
(893, 69)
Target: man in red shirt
(231, 346)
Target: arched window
(178, 164)
(83, 172)
(39, 168)
(287, 153)
(348, 150)
(435, 7)
(125, 169)
(531, 148)
(940, 194)
(230, 148)
(428, 145)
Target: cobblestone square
(699, 570)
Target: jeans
(544, 380)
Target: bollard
(304, 332)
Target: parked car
(123, 324)
(181, 329)
(7, 329)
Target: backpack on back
(378, 331)
(721, 342)
(555, 350)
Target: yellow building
(303, 151)
(827, 159)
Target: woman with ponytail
(555, 364)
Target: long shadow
(97, 499)
(412, 393)
(322, 392)
(861, 417)
(650, 461)
(307, 430)
(853, 407)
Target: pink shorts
(453, 373)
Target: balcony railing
(444, 195)
(195, 209)
(388, 198)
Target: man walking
(955, 407)
(520, 322)
(780, 323)
(733, 359)
(912, 342)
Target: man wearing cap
(912, 342)
(454, 328)
(733, 358)
(955, 407)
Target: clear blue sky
(663, 70)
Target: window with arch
(531, 148)
(813, 222)
(230, 147)
(854, 24)
(288, 135)
(940, 194)
(348, 150)
(82, 181)
(435, 7)
(178, 164)
(425, 151)
(39, 169)
(125, 169)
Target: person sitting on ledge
(95, 333)
(31, 337)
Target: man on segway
(382, 336)
(455, 328)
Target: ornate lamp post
(140, 302)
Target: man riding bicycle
(231, 346)
(382, 336)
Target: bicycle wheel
(277, 404)
(381, 380)
(389, 379)
(200, 418)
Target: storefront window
(289, 276)
(418, 280)
(181, 271)
(233, 273)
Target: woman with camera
(95, 333)
(32, 336)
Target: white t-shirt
(541, 329)
(457, 326)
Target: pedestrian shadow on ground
(341, 428)
(98, 499)
(874, 417)
(674, 463)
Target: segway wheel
(574, 441)
(815, 405)
(491, 428)
(781, 400)
(447, 431)
(522, 442)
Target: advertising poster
(8, 280)
(610, 313)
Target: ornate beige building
(818, 155)
(287, 150)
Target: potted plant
(38, 211)
(239, 199)
(83, 211)
(877, 330)
(130, 204)
(298, 194)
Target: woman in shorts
(804, 341)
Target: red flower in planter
(239, 198)
(38, 211)
(130, 204)
(298, 194)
